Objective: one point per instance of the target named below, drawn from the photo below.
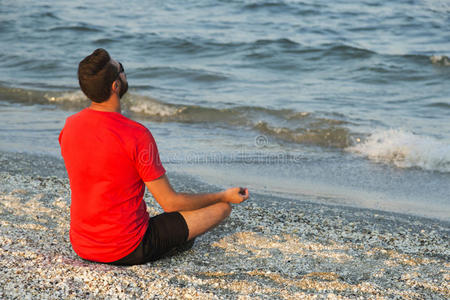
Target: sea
(340, 102)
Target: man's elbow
(169, 208)
(172, 204)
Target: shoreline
(278, 249)
(46, 165)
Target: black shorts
(166, 235)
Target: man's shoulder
(132, 125)
(131, 130)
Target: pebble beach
(334, 114)
(265, 249)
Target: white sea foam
(440, 60)
(136, 103)
(71, 97)
(405, 150)
(154, 108)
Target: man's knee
(226, 209)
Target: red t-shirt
(108, 158)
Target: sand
(268, 248)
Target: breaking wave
(440, 60)
(318, 135)
(405, 150)
(285, 125)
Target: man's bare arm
(170, 200)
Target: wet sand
(268, 248)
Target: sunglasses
(121, 69)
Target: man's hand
(170, 200)
(235, 195)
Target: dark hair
(96, 75)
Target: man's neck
(110, 105)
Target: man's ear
(115, 86)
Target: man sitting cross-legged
(110, 159)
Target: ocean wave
(299, 127)
(268, 4)
(443, 105)
(200, 75)
(76, 97)
(280, 53)
(22, 95)
(319, 135)
(77, 28)
(347, 51)
(284, 7)
(405, 149)
(148, 107)
(151, 109)
(212, 46)
(104, 41)
(440, 60)
(153, 42)
(261, 48)
(284, 124)
(69, 99)
(46, 14)
(281, 41)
